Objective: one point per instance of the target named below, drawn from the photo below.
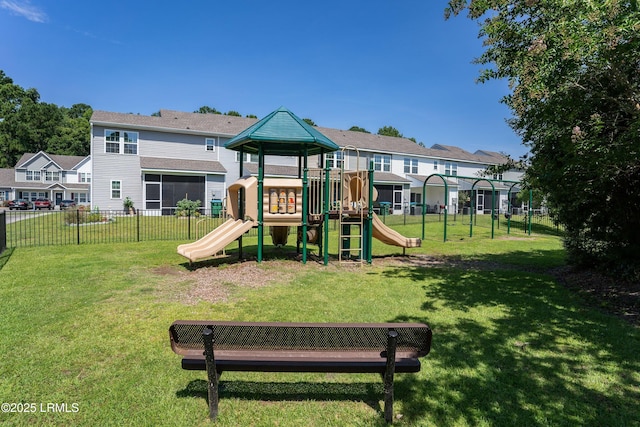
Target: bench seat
(218, 346)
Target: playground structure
(307, 202)
(346, 196)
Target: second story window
(52, 176)
(435, 165)
(451, 169)
(84, 177)
(335, 160)
(248, 157)
(117, 141)
(382, 162)
(32, 175)
(210, 144)
(410, 165)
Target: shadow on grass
(250, 253)
(368, 393)
(5, 256)
(518, 349)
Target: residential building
(158, 160)
(50, 176)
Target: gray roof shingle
(223, 125)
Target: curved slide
(391, 237)
(216, 240)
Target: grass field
(85, 337)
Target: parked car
(23, 204)
(65, 204)
(43, 204)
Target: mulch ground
(212, 282)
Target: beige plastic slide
(215, 241)
(391, 237)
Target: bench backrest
(414, 339)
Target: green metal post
(327, 179)
(260, 202)
(493, 207)
(424, 206)
(471, 208)
(446, 207)
(240, 204)
(305, 207)
(369, 227)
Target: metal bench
(384, 348)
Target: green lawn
(86, 326)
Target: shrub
(186, 207)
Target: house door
(397, 198)
(480, 207)
(58, 197)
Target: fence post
(3, 231)
(138, 225)
(78, 225)
(188, 224)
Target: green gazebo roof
(282, 133)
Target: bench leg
(212, 375)
(392, 340)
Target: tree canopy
(389, 131)
(573, 69)
(29, 125)
(358, 129)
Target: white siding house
(159, 160)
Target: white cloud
(24, 9)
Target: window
(451, 169)
(112, 141)
(130, 140)
(210, 144)
(84, 177)
(410, 165)
(33, 175)
(382, 163)
(52, 176)
(116, 189)
(435, 165)
(248, 157)
(497, 176)
(82, 198)
(335, 160)
(117, 142)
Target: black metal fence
(3, 231)
(76, 227)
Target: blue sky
(341, 63)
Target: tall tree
(574, 72)
(28, 125)
(358, 129)
(389, 131)
(207, 110)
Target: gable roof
(66, 163)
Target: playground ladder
(348, 253)
(349, 221)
